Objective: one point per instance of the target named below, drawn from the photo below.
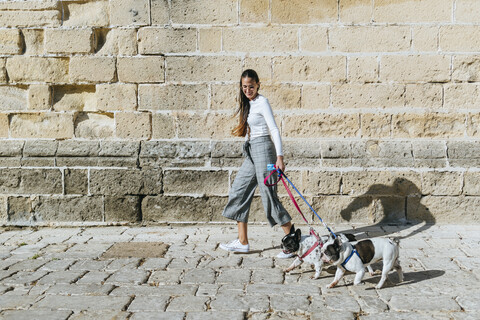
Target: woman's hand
(280, 165)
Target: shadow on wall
(400, 204)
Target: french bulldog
(307, 248)
(355, 257)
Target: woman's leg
(286, 227)
(242, 232)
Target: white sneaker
(283, 255)
(235, 246)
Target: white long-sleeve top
(262, 123)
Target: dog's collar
(316, 244)
(354, 251)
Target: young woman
(257, 124)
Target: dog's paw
(287, 270)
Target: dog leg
(399, 270)
(370, 270)
(359, 277)
(387, 266)
(338, 275)
(294, 264)
(318, 269)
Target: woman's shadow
(396, 205)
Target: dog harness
(315, 245)
(354, 251)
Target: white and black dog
(355, 257)
(307, 248)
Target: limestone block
(305, 149)
(205, 125)
(42, 125)
(187, 182)
(76, 181)
(210, 40)
(432, 154)
(126, 208)
(315, 96)
(69, 208)
(153, 40)
(116, 97)
(119, 148)
(163, 126)
(204, 68)
(263, 39)
(424, 95)
(374, 153)
(321, 125)
(47, 18)
(37, 69)
(73, 148)
(323, 182)
(363, 69)
(328, 68)
(31, 181)
(399, 11)
(11, 148)
(74, 98)
(304, 11)
(459, 38)
(92, 69)
(262, 65)
(29, 5)
(19, 209)
(3, 125)
(473, 125)
(464, 95)
(282, 96)
(117, 41)
(355, 209)
(176, 154)
(352, 95)
(428, 125)
(13, 98)
(254, 11)
(91, 13)
(224, 96)
(336, 149)
(173, 97)
(463, 153)
(40, 148)
(466, 68)
(415, 68)
(471, 185)
(39, 97)
(159, 11)
(141, 69)
(3, 71)
(355, 11)
(69, 40)
(129, 12)
(467, 11)
(442, 183)
(397, 183)
(442, 209)
(3, 209)
(227, 149)
(369, 39)
(375, 125)
(425, 38)
(34, 41)
(129, 125)
(113, 182)
(214, 12)
(175, 208)
(91, 125)
(10, 41)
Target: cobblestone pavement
(63, 273)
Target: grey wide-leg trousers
(258, 153)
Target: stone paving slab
(63, 273)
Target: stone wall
(121, 110)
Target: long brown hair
(244, 105)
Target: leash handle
(273, 171)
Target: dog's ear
(292, 229)
(337, 241)
(350, 237)
(298, 234)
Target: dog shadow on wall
(396, 205)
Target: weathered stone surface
(68, 208)
(133, 125)
(429, 125)
(283, 96)
(325, 182)
(13, 98)
(373, 39)
(119, 148)
(254, 11)
(3, 71)
(398, 11)
(34, 181)
(163, 126)
(207, 126)
(210, 40)
(381, 183)
(89, 125)
(304, 12)
(125, 182)
(71, 148)
(471, 185)
(3, 125)
(463, 153)
(17, 18)
(159, 12)
(454, 38)
(442, 183)
(83, 302)
(141, 69)
(425, 38)
(423, 95)
(368, 95)
(464, 94)
(92, 69)
(321, 125)
(69, 40)
(215, 12)
(293, 68)
(192, 182)
(438, 209)
(76, 181)
(79, 14)
(264, 39)
(129, 12)
(10, 41)
(203, 68)
(415, 68)
(11, 148)
(375, 125)
(123, 209)
(33, 69)
(117, 41)
(39, 97)
(173, 97)
(116, 96)
(158, 153)
(74, 98)
(154, 40)
(173, 208)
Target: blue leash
(290, 182)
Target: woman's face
(250, 88)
